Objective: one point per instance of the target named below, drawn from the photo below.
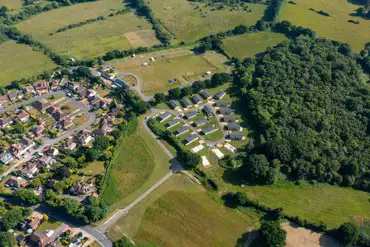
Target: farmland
(335, 26)
(118, 32)
(11, 4)
(191, 21)
(20, 61)
(248, 45)
(181, 66)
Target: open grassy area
(119, 32)
(248, 45)
(335, 26)
(11, 4)
(19, 61)
(190, 20)
(49, 225)
(181, 66)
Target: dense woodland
(311, 107)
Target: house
(28, 90)
(54, 85)
(172, 123)
(5, 158)
(23, 116)
(41, 104)
(120, 82)
(226, 111)
(3, 100)
(200, 122)
(235, 136)
(233, 126)
(82, 92)
(84, 138)
(205, 95)
(69, 144)
(46, 161)
(20, 239)
(185, 103)
(39, 239)
(52, 109)
(81, 188)
(190, 139)
(66, 123)
(219, 95)
(91, 93)
(191, 114)
(52, 151)
(104, 129)
(208, 130)
(208, 111)
(38, 130)
(228, 119)
(58, 115)
(163, 117)
(16, 182)
(29, 170)
(220, 103)
(20, 148)
(13, 96)
(195, 99)
(104, 103)
(6, 121)
(181, 130)
(173, 104)
(41, 87)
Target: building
(5, 121)
(41, 104)
(82, 92)
(226, 111)
(185, 103)
(28, 90)
(191, 114)
(46, 161)
(219, 95)
(81, 188)
(195, 99)
(172, 123)
(41, 87)
(3, 100)
(17, 182)
(208, 111)
(23, 116)
(120, 82)
(29, 170)
(58, 115)
(54, 85)
(205, 95)
(84, 138)
(173, 104)
(66, 123)
(69, 144)
(228, 119)
(190, 139)
(52, 109)
(5, 158)
(39, 239)
(208, 130)
(235, 136)
(220, 103)
(163, 117)
(200, 122)
(38, 130)
(22, 147)
(52, 151)
(181, 130)
(13, 95)
(234, 126)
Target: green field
(248, 45)
(119, 32)
(11, 4)
(182, 66)
(188, 23)
(336, 26)
(51, 224)
(19, 61)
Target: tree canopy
(272, 234)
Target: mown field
(182, 67)
(335, 26)
(19, 61)
(11, 4)
(119, 32)
(248, 45)
(190, 21)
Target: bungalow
(54, 85)
(46, 161)
(38, 130)
(233, 126)
(22, 147)
(29, 170)
(173, 104)
(82, 92)
(3, 100)
(185, 103)
(181, 130)
(163, 117)
(200, 122)
(28, 90)
(6, 121)
(13, 95)
(205, 95)
(84, 137)
(226, 111)
(35, 222)
(5, 158)
(81, 188)
(172, 123)
(52, 151)
(41, 104)
(208, 111)
(195, 99)
(235, 136)
(23, 116)
(220, 103)
(219, 95)
(103, 129)
(228, 119)
(58, 115)
(104, 103)
(39, 239)
(69, 144)
(208, 130)
(52, 109)
(191, 114)
(66, 123)
(41, 87)
(16, 182)
(190, 139)
(21, 238)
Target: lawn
(94, 168)
(51, 224)
(183, 67)
(19, 61)
(190, 20)
(335, 26)
(248, 45)
(11, 4)
(120, 32)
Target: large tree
(7, 239)
(348, 233)
(272, 234)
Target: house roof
(233, 126)
(220, 103)
(181, 130)
(201, 121)
(219, 95)
(191, 138)
(195, 99)
(173, 104)
(226, 111)
(235, 136)
(229, 119)
(172, 123)
(205, 94)
(164, 116)
(207, 110)
(208, 129)
(191, 114)
(22, 114)
(185, 102)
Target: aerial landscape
(161, 123)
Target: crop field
(19, 61)
(118, 32)
(248, 45)
(190, 21)
(335, 26)
(182, 67)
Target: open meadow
(95, 39)
(190, 20)
(335, 26)
(19, 61)
(11, 4)
(248, 45)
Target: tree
(94, 213)
(159, 98)
(101, 143)
(220, 79)
(174, 93)
(188, 160)
(123, 242)
(7, 239)
(272, 234)
(257, 169)
(348, 233)
(13, 217)
(92, 154)
(45, 217)
(28, 196)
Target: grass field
(49, 225)
(248, 45)
(336, 26)
(188, 22)
(11, 4)
(119, 32)
(182, 67)
(19, 61)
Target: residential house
(226, 111)
(5, 121)
(84, 138)
(69, 144)
(163, 117)
(52, 151)
(29, 90)
(3, 100)
(52, 109)
(220, 103)
(20, 239)
(185, 103)
(235, 136)
(66, 123)
(208, 111)
(208, 130)
(13, 96)
(191, 114)
(81, 188)
(104, 129)
(17, 182)
(181, 130)
(190, 139)
(120, 82)
(41, 87)
(41, 104)
(91, 93)
(219, 95)
(54, 85)
(195, 99)
(229, 119)
(22, 147)
(83, 92)
(46, 161)
(58, 115)
(205, 95)
(200, 122)
(233, 126)
(39, 239)
(23, 116)
(29, 170)
(104, 103)
(38, 130)
(115, 111)
(173, 104)
(5, 158)
(172, 123)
